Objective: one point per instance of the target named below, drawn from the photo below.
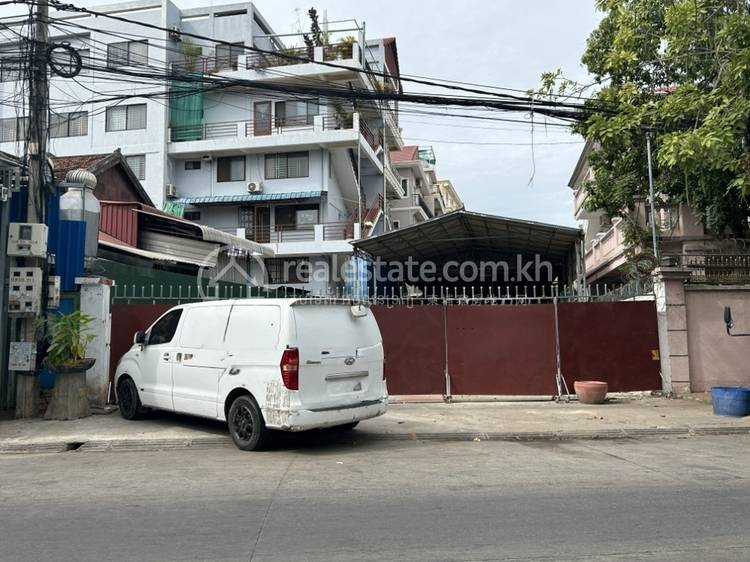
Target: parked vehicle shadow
(313, 441)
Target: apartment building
(605, 259)
(303, 175)
(422, 199)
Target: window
(137, 163)
(262, 322)
(126, 117)
(68, 124)
(13, 129)
(287, 165)
(192, 215)
(230, 168)
(294, 270)
(292, 113)
(164, 329)
(192, 164)
(405, 185)
(226, 55)
(246, 216)
(127, 53)
(306, 217)
(10, 69)
(205, 326)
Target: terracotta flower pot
(591, 392)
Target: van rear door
(340, 355)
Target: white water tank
(79, 203)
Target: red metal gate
(490, 349)
(511, 349)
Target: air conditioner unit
(171, 190)
(175, 34)
(207, 158)
(254, 187)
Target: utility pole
(651, 198)
(27, 386)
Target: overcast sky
(501, 43)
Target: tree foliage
(680, 71)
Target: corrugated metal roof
(463, 234)
(208, 261)
(248, 198)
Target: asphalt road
(660, 499)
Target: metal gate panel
(501, 350)
(616, 342)
(414, 342)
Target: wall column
(95, 299)
(671, 317)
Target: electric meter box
(22, 356)
(24, 291)
(27, 239)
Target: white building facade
(302, 174)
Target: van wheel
(246, 425)
(128, 400)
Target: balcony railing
(287, 57)
(204, 132)
(372, 138)
(605, 248)
(255, 128)
(294, 232)
(206, 64)
(712, 268)
(419, 200)
(302, 55)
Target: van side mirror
(140, 337)
(728, 319)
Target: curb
(131, 445)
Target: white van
(259, 364)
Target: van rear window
(336, 325)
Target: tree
(680, 71)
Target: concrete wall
(717, 359)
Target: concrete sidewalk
(618, 418)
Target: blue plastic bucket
(731, 401)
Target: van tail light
(290, 368)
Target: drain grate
(74, 445)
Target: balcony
(303, 55)
(286, 233)
(393, 183)
(420, 202)
(579, 198)
(606, 251)
(249, 135)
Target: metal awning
(210, 234)
(209, 261)
(226, 239)
(466, 235)
(248, 198)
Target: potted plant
(70, 334)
